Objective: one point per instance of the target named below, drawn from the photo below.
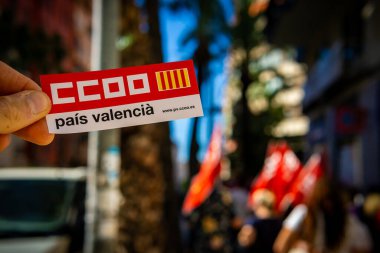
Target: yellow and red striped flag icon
(173, 79)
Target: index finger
(12, 81)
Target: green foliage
(256, 76)
(244, 33)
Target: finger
(36, 133)
(22, 109)
(12, 81)
(5, 140)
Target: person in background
(23, 107)
(259, 233)
(323, 225)
(370, 215)
(241, 212)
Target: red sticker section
(98, 100)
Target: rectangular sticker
(114, 98)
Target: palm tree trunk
(149, 212)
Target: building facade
(340, 44)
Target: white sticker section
(125, 115)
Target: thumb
(22, 109)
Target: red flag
(280, 169)
(305, 181)
(271, 166)
(202, 183)
(288, 172)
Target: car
(42, 210)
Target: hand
(23, 107)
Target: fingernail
(37, 102)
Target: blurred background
(287, 76)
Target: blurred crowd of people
(330, 220)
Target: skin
(284, 240)
(247, 235)
(23, 107)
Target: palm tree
(211, 23)
(252, 130)
(148, 215)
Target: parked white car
(42, 210)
